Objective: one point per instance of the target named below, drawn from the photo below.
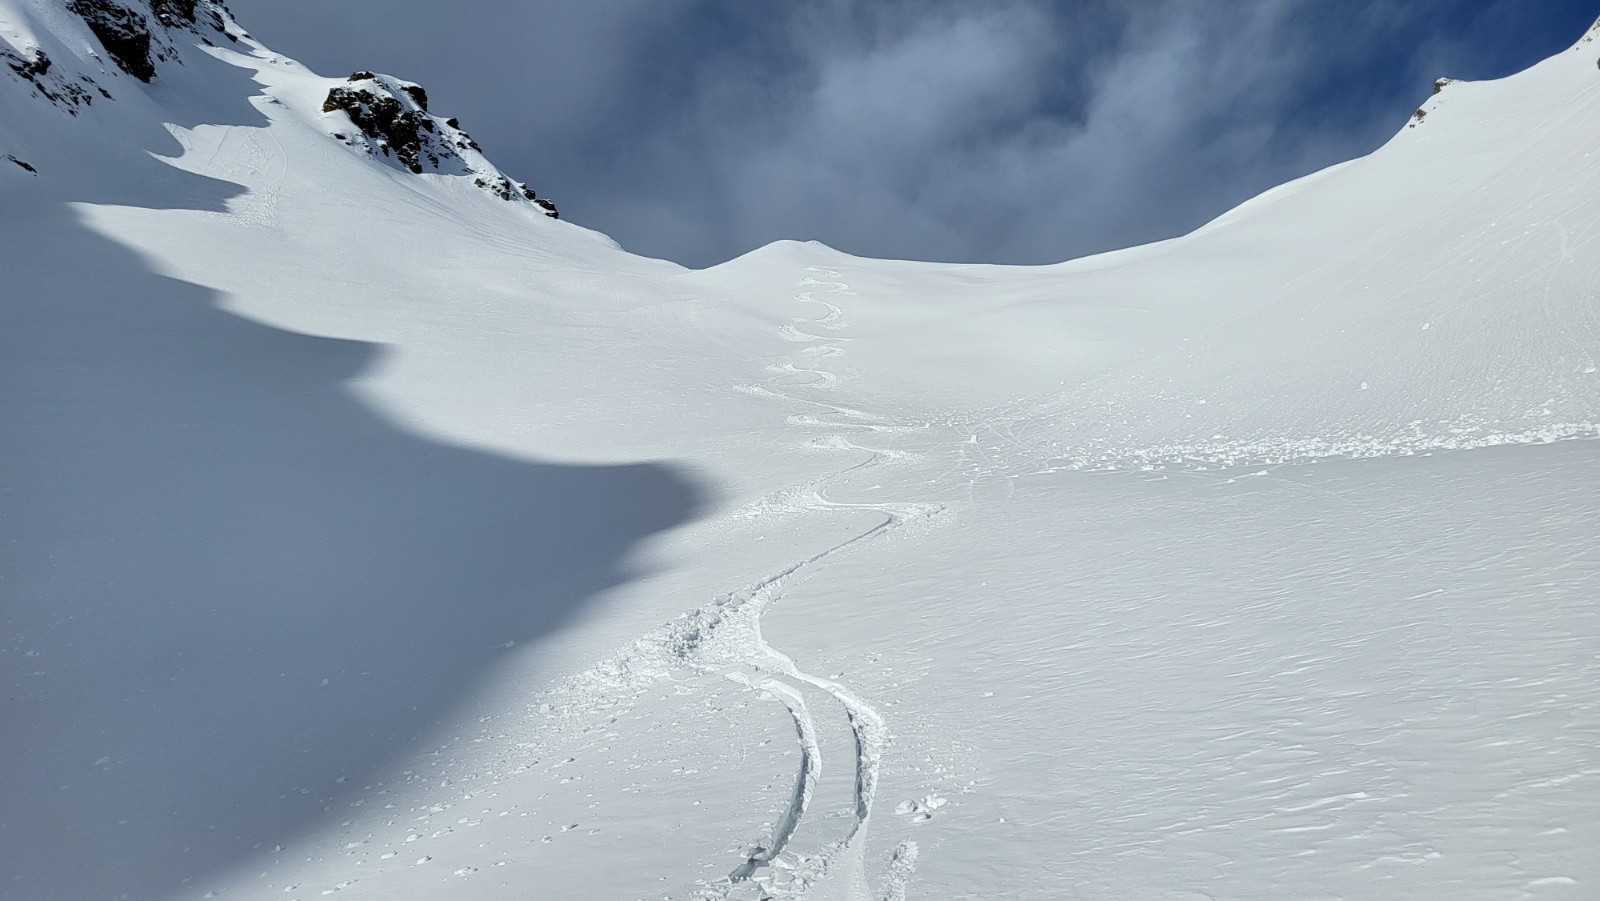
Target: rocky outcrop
(394, 126)
(51, 83)
(124, 33)
(384, 117)
(135, 33)
(390, 120)
(175, 12)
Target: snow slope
(369, 532)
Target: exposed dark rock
(174, 12)
(30, 69)
(417, 95)
(135, 44)
(500, 187)
(506, 189)
(1417, 117)
(195, 14)
(384, 119)
(51, 85)
(123, 32)
(1440, 84)
(393, 121)
(24, 165)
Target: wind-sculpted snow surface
(365, 535)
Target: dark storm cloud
(1023, 131)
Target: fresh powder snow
(366, 531)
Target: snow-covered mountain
(105, 49)
(366, 530)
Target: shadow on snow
(225, 583)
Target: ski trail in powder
(724, 638)
(842, 860)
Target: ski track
(724, 638)
(866, 725)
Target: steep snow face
(363, 533)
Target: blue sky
(1005, 131)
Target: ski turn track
(724, 638)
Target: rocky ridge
(385, 117)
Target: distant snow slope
(1438, 293)
(365, 531)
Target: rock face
(391, 121)
(136, 43)
(395, 126)
(124, 33)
